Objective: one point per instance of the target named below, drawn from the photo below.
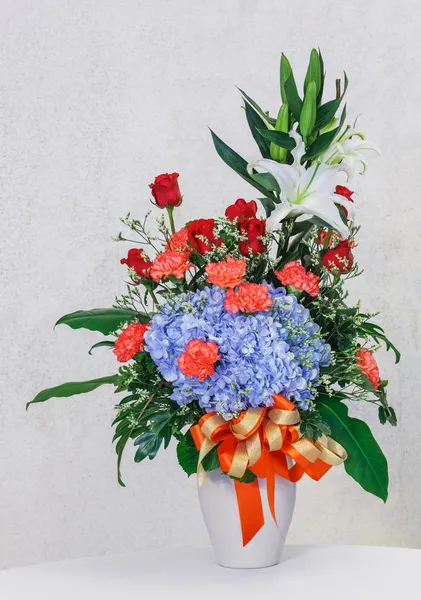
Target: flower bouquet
(235, 331)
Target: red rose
(241, 210)
(339, 259)
(253, 230)
(201, 235)
(139, 262)
(341, 190)
(165, 190)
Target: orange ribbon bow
(260, 439)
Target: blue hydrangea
(279, 351)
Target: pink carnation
(248, 298)
(226, 273)
(295, 275)
(198, 359)
(170, 263)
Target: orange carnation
(198, 359)
(295, 275)
(226, 273)
(368, 366)
(178, 241)
(248, 298)
(170, 263)
(130, 341)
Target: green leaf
(105, 320)
(279, 138)
(248, 477)
(72, 388)
(266, 180)
(320, 144)
(256, 123)
(325, 113)
(366, 462)
(104, 344)
(237, 163)
(322, 81)
(268, 205)
(265, 117)
(148, 444)
(294, 101)
(187, 454)
(377, 333)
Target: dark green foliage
(105, 320)
(66, 390)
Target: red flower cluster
(130, 341)
(198, 359)
(139, 262)
(170, 263)
(165, 190)
(251, 228)
(340, 259)
(226, 273)
(248, 298)
(368, 366)
(295, 275)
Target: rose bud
(165, 190)
(340, 259)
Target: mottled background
(95, 99)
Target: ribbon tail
(270, 488)
(250, 509)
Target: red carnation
(241, 210)
(253, 230)
(368, 366)
(198, 359)
(248, 298)
(130, 341)
(339, 259)
(165, 190)
(294, 274)
(201, 235)
(139, 262)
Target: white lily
(349, 149)
(306, 191)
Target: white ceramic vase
(219, 507)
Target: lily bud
(282, 124)
(313, 71)
(309, 110)
(285, 72)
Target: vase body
(218, 502)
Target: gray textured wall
(95, 99)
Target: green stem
(170, 210)
(154, 298)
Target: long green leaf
(104, 344)
(320, 144)
(294, 101)
(279, 138)
(256, 123)
(105, 320)
(237, 163)
(266, 118)
(366, 462)
(72, 388)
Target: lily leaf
(366, 462)
(279, 138)
(256, 123)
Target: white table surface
(335, 572)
